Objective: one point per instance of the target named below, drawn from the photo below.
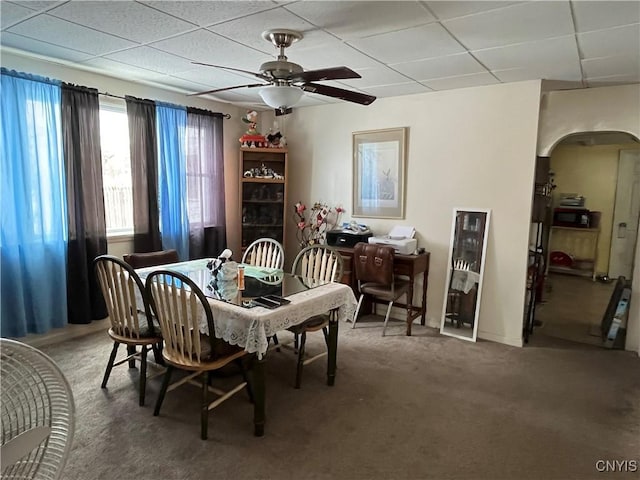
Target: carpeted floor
(572, 308)
(420, 407)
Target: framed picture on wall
(379, 163)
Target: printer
(348, 236)
(400, 238)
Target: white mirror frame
(481, 273)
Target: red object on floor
(561, 259)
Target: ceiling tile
(398, 89)
(449, 66)
(215, 77)
(38, 6)
(615, 65)
(518, 23)
(363, 35)
(462, 81)
(66, 34)
(209, 13)
(152, 59)
(612, 41)
(598, 15)
(333, 54)
(248, 30)
(182, 84)
(11, 13)
(449, 9)
(425, 41)
(354, 19)
(566, 73)
(613, 80)
(130, 20)
(114, 68)
(375, 76)
(315, 38)
(207, 47)
(41, 48)
(561, 50)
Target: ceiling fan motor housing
(280, 70)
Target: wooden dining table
(240, 321)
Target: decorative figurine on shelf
(252, 138)
(262, 172)
(274, 140)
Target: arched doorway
(577, 285)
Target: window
(116, 170)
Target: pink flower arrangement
(312, 228)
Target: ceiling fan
(285, 81)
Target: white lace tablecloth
(250, 327)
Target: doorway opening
(587, 233)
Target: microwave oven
(572, 217)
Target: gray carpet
(415, 407)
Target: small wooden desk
(405, 265)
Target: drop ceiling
(398, 47)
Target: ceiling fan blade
(257, 75)
(334, 73)
(348, 95)
(252, 85)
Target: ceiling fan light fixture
(282, 96)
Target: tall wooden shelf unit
(263, 201)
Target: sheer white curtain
(205, 183)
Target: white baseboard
(514, 342)
(65, 333)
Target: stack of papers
(401, 232)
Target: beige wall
(233, 128)
(470, 148)
(591, 171)
(596, 110)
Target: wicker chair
(179, 304)
(131, 324)
(374, 273)
(317, 262)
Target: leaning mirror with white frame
(465, 269)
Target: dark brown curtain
(205, 183)
(144, 172)
(85, 201)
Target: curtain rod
(107, 94)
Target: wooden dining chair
(264, 252)
(151, 259)
(316, 262)
(374, 273)
(131, 323)
(180, 306)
